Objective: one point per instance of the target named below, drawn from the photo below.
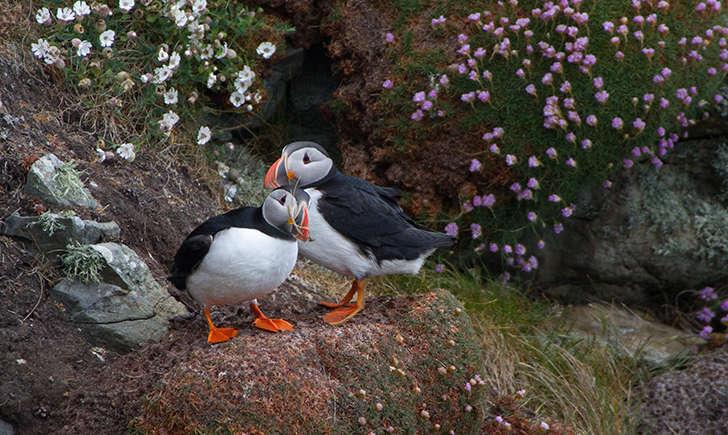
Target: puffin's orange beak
(270, 176)
(302, 233)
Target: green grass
(587, 387)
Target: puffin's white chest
(330, 249)
(242, 264)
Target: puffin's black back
(369, 216)
(195, 246)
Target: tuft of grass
(68, 180)
(588, 388)
(82, 263)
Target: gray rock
(655, 233)
(126, 309)
(6, 428)
(51, 232)
(689, 401)
(629, 332)
(57, 183)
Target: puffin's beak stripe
(303, 229)
(270, 176)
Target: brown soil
(52, 380)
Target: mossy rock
(326, 379)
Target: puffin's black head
(288, 211)
(301, 164)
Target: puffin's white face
(301, 164)
(287, 212)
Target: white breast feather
(242, 264)
(330, 249)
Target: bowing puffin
(357, 228)
(242, 255)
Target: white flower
(40, 48)
(222, 51)
(266, 49)
(161, 74)
(199, 7)
(162, 56)
(101, 154)
(126, 5)
(144, 78)
(206, 52)
(204, 135)
(170, 118)
(246, 73)
(237, 99)
(52, 55)
(257, 97)
(65, 14)
(84, 48)
(81, 8)
(174, 60)
(170, 97)
(107, 38)
(126, 151)
(211, 79)
(43, 16)
(180, 18)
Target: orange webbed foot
(218, 335)
(341, 315)
(273, 325)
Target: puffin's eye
(306, 159)
(282, 201)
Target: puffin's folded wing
(189, 255)
(376, 223)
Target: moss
(720, 164)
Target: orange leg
(218, 335)
(263, 322)
(346, 312)
(347, 298)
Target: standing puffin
(357, 228)
(242, 255)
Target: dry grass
(587, 387)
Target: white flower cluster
(126, 151)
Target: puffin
(356, 227)
(242, 255)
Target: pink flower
(389, 37)
(628, 163)
(531, 89)
(476, 230)
(417, 115)
(533, 183)
(554, 198)
(598, 82)
(439, 268)
(468, 97)
(483, 96)
(705, 333)
(570, 162)
(602, 96)
(724, 305)
(591, 120)
(638, 124)
(451, 229)
(488, 200)
(558, 228)
(419, 97)
(426, 105)
(444, 80)
(533, 162)
(586, 144)
(531, 216)
(493, 247)
(607, 184)
(511, 159)
(707, 294)
(541, 244)
(617, 123)
(551, 152)
(475, 165)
